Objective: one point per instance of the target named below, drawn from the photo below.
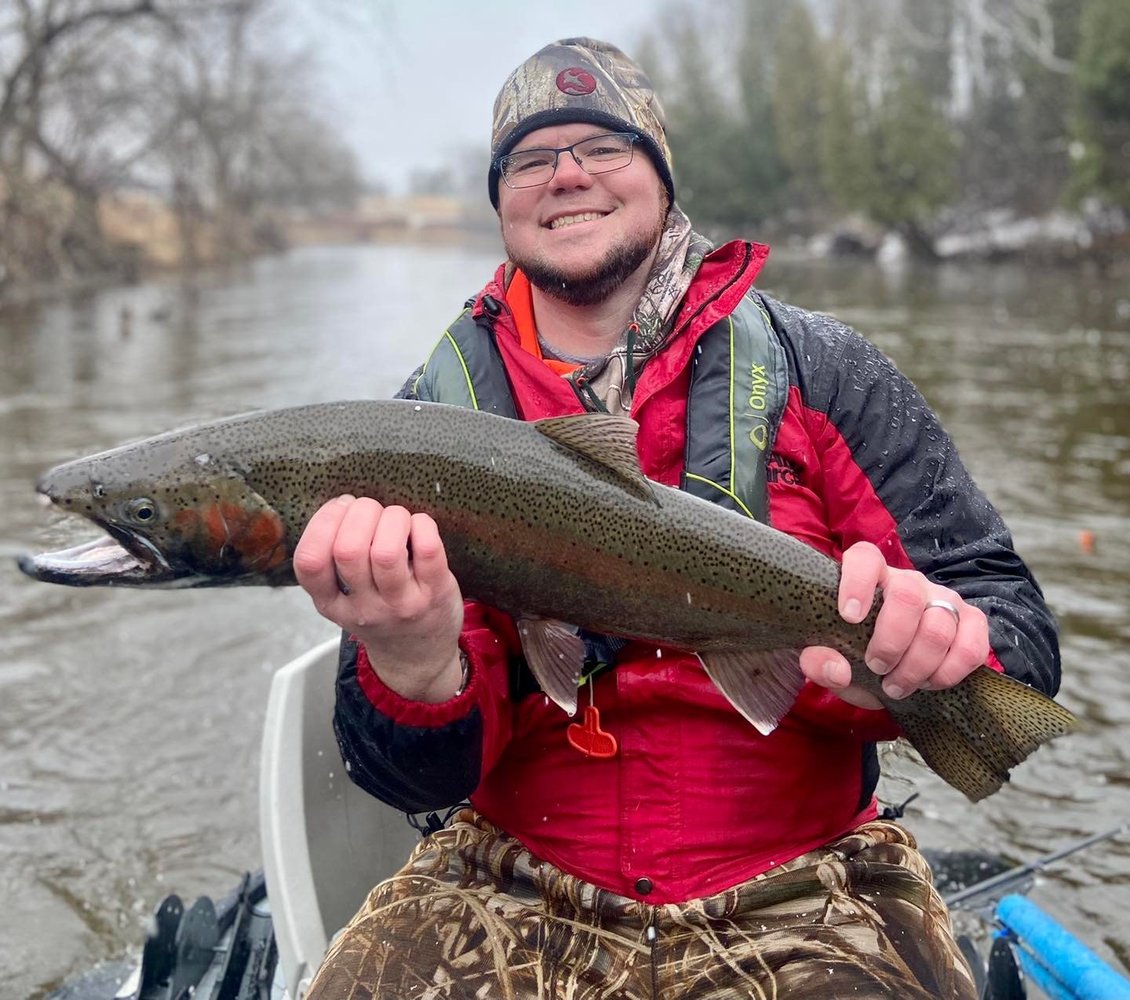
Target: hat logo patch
(576, 81)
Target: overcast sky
(417, 80)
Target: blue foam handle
(1044, 978)
(1068, 969)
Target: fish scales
(511, 502)
(551, 521)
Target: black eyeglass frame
(499, 162)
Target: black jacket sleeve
(413, 768)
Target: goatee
(594, 285)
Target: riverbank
(1057, 238)
(142, 237)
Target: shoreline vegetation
(137, 236)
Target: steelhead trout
(551, 521)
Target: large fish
(552, 521)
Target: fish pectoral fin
(556, 656)
(608, 440)
(761, 685)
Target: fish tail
(974, 733)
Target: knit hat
(579, 80)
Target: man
(691, 856)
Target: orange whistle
(589, 738)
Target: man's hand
(915, 646)
(381, 574)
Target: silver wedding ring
(946, 606)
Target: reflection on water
(130, 722)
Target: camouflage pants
(473, 914)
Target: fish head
(170, 520)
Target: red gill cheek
(257, 536)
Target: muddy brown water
(130, 722)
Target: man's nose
(569, 173)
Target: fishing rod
(1026, 938)
(1008, 880)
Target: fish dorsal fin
(608, 440)
(555, 655)
(760, 685)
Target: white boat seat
(325, 842)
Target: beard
(591, 285)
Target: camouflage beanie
(579, 80)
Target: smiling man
(577, 221)
(663, 847)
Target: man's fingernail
(853, 610)
(345, 499)
(831, 669)
(877, 666)
(893, 691)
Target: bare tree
(240, 137)
(48, 185)
(206, 103)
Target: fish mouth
(100, 561)
(119, 558)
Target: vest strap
(739, 386)
(738, 389)
(465, 369)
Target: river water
(130, 721)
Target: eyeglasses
(598, 154)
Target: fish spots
(186, 522)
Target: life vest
(738, 389)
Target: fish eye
(142, 510)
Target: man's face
(579, 236)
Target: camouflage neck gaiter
(681, 250)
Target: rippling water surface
(130, 722)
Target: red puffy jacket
(696, 800)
